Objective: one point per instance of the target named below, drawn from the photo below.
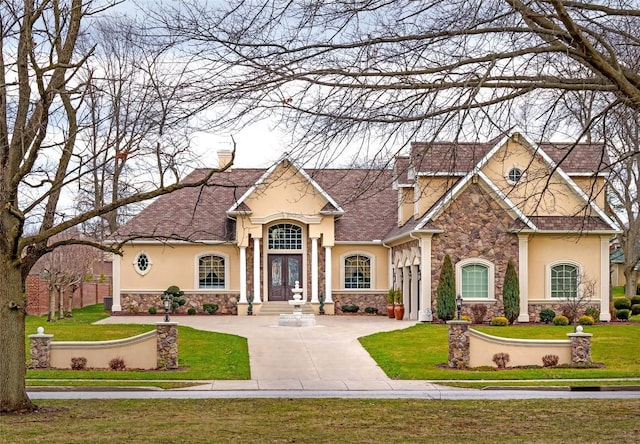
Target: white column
(327, 275)
(117, 260)
(256, 271)
(314, 270)
(605, 314)
(406, 290)
(243, 275)
(413, 314)
(523, 276)
(425, 279)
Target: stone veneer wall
(135, 303)
(474, 226)
(375, 300)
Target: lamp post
(166, 303)
(459, 305)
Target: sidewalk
(327, 356)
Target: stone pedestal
(580, 347)
(40, 349)
(459, 355)
(167, 345)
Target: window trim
(136, 258)
(491, 278)
(196, 283)
(372, 270)
(548, 269)
(507, 175)
(285, 250)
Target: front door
(284, 271)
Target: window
(211, 272)
(564, 281)
(285, 237)
(357, 271)
(142, 263)
(514, 175)
(475, 279)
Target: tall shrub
(446, 305)
(511, 293)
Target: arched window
(211, 271)
(357, 271)
(475, 279)
(285, 237)
(142, 263)
(564, 281)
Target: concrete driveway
(327, 356)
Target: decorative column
(406, 289)
(459, 355)
(314, 270)
(328, 298)
(256, 271)
(523, 276)
(40, 349)
(580, 346)
(243, 275)
(167, 345)
(605, 314)
(425, 279)
(413, 301)
(115, 264)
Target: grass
(325, 420)
(417, 352)
(202, 355)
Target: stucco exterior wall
(547, 249)
(175, 264)
(429, 190)
(380, 256)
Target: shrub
(153, 310)
(550, 360)
(569, 313)
(547, 315)
(622, 303)
(371, 310)
(561, 320)
(623, 314)
(635, 309)
(499, 321)
(210, 308)
(117, 364)
(350, 308)
(191, 311)
(465, 318)
(501, 359)
(511, 293)
(593, 312)
(586, 320)
(78, 363)
(478, 312)
(446, 291)
(390, 296)
(635, 300)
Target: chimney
(224, 158)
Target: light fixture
(166, 302)
(459, 305)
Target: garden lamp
(166, 302)
(459, 305)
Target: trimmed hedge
(561, 320)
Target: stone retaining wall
(137, 303)
(363, 301)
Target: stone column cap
(460, 322)
(580, 335)
(166, 323)
(40, 334)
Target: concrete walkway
(327, 356)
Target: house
(348, 235)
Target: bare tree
(42, 98)
(362, 71)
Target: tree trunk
(13, 395)
(52, 305)
(631, 277)
(60, 302)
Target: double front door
(284, 271)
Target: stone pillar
(167, 345)
(523, 276)
(256, 270)
(580, 346)
(328, 297)
(459, 355)
(40, 349)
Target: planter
(399, 311)
(391, 311)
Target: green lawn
(202, 355)
(417, 352)
(325, 421)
